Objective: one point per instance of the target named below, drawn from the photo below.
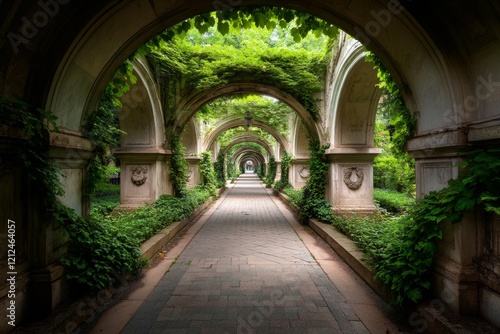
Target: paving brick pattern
(246, 271)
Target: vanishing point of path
(247, 271)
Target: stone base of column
(144, 176)
(350, 180)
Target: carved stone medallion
(353, 185)
(139, 175)
(304, 172)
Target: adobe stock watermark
(485, 89)
(381, 19)
(31, 25)
(11, 273)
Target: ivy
(286, 162)
(232, 172)
(271, 172)
(402, 251)
(402, 122)
(103, 129)
(35, 125)
(313, 204)
(297, 72)
(224, 21)
(209, 179)
(179, 171)
(220, 170)
(261, 108)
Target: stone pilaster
(144, 175)
(299, 172)
(455, 276)
(350, 179)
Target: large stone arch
(141, 151)
(353, 97)
(249, 139)
(246, 154)
(191, 103)
(448, 72)
(399, 40)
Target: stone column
(48, 288)
(455, 279)
(144, 175)
(194, 170)
(350, 180)
(299, 173)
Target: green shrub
(104, 244)
(286, 162)
(295, 195)
(392, 201)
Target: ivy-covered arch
(232, 123)
(248, 139)
(354, 97)
(191, 103)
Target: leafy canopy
(210, 59)
(261, 108)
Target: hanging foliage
(402, 122)
(298, 72)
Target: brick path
(246, 271)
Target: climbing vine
(220, 170)
(179, 171)
(402, 122)
(33, 151)
(313, 203)
(297, 72)
(209, 179)
(286, 162)
(271, 172)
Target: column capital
(352, 154)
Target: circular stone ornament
(139, 175)
(353, 185)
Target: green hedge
(105, 243)
(392, 201)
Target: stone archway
(142, 155)
(352, 104)
(448, 72)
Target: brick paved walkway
(246, 271)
